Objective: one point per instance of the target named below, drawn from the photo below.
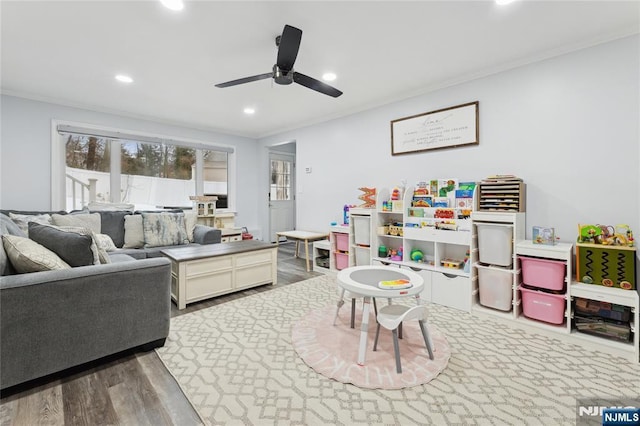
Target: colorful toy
(451, 263)
(605, 255)
(416, 255)
(606, 235)
(369, 197)
(395, 194)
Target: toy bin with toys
(606, 255)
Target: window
(146, 174)
(280, 180)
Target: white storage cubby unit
(360, 231)
(495, 272)
(321, 249)
(448, 286)
(563, 252)
(618, 296)
(341, 255)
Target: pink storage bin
(543, 273)
(342, 241)
(542, 306)
(342, 261)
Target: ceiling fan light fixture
(173, 4)
(329, 76)
(249, 111)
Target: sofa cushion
(135, 253)
(75, 245)
(22, 220)
(190, 220)
(112, 224)
(8, 227)
(120, 257)
(164, 229)
(133, 232)
(104, 242)
(27, 255)
(91, 221)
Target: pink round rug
(333, 350)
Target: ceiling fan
(283, 73)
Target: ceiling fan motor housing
(281, 76)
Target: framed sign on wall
(445, 128)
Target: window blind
(76, 130)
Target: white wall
(569, 126)
(25, 152)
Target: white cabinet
(442, 252)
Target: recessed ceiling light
(173, 4)
(249, 111)
(124, 78)
(328, 76)
(503, 2)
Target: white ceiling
(69, 51)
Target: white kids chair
(392, 316)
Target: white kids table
(363, 280)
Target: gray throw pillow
(75, 248)
(91, 221)
(164, 229)
(112, 224)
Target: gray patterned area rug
(236, 364)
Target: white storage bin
(361, 229)
(363, 256)
(495, 244)
(495, 287)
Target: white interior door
(281, 193)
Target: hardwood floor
(127, 389)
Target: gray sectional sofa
(57, 319)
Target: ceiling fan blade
(288, 47)
(245, 80)
(316, 85)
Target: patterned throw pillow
(105, 242)
(91, 221)
(22, 220)
(28, 256)
(164, 229)
(190, 220)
